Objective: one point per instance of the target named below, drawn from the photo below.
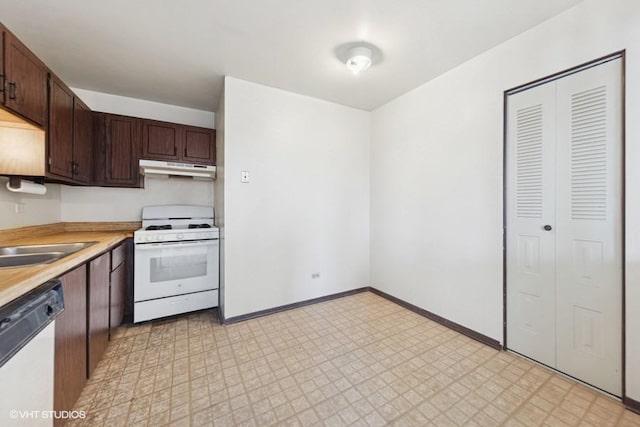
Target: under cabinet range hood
(157, 168)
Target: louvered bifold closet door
(530, 202)
(589, 226)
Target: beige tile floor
(359, 360)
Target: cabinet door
(26, 78)
(70, 373)
(160, 140)
(98, 311)
(118, 294)
(82, 142)
(3, 76)
(199, 145)
(60, 133)
(122, 145)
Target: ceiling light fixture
(359, 59)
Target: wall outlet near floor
(315, 275)
(19, 207)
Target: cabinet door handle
(175, 150)
(12, 91)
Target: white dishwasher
(27, 343)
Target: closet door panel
(589, 226)
(530, 206)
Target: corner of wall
(218, 185)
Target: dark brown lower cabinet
(95, 298)
(118, 286)
(98, 311)
(70, 374)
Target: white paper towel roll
(28, 187)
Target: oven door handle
(172, 245)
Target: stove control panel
(164, 236)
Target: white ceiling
(176, 51)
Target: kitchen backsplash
(125, 204)
(67, 203)
(20, 210)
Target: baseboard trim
(286, 307)
(421, 311)
(631, 404)
(441, 320)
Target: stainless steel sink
(29, 255)
(24, 260)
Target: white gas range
(176, 261)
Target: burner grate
(159, 227)
(199, 226)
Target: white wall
(37, 209)
(436, 168)
(125, 204)
(306, 208)
(115, 104)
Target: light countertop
(15, 282)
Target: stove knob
(180, 236)
(148, 238)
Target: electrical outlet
(315, 275)
(244, 176)
(19, 207)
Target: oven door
(168, 269)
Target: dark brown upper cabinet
(83, 147)
(3, 79)
(83, 141)
(160, 140)
(171, 141)
(24, 80)
(199, 145)
(69, 135)
(118, 139)
(60, 131)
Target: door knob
(548, 227)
